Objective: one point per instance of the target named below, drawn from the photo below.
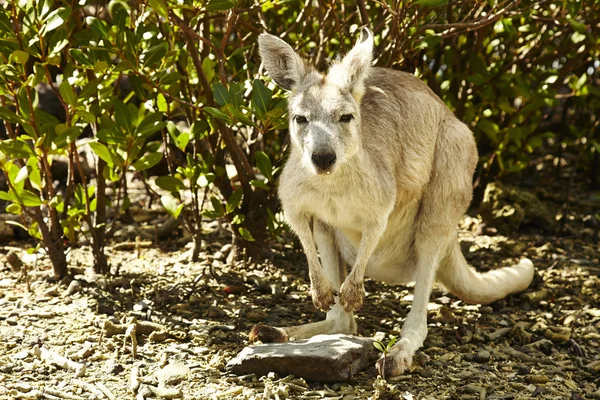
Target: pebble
(537, 379)
(23, 387)
(141, 306)
(482, 356)
(216, 312)
(173, 373)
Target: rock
(536, 297)
(508, 208)
(537, 379)
(323, 358)
(446, 315)
(216, 312)
(141, 306)
(482, 356)
(173, 373)
(74, 287)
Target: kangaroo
(379, 174)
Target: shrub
(180, 83)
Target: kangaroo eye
(346, 118)
(301, 119)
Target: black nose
(323, 160)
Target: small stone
(173, 373)
(12, 321)
(52, 292)
(74, 287)
(21, 355)
(7, 369)
(141, 306)
(113, 368)
(323, 358)
(536, 297)
(486, 310)
(7, 283)
(482, 356)
(256, 315)
(446, 315)
(473, 389)
(216, 312)
(23, 387)
(537, 379)
(105, 309)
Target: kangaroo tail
(482, 288)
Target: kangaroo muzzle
(323, 160)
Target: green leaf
(264, 164)
(16, 148)
(391, 342)
(431, 3)
(490, 128)
(246, 235)
(217, 206)
(170, 204)
(10, 116)
(56, 19)
(237, 113)
(169, 183)
(155, 53)
(7, 196)
(13, 209)
(147, 161)
(160, 6)
(221, 94)
(182, 140)
(123, 116)
(20, 56)
(67, 136)
(67, 93)
(6, 25)
(102, 152)
(234, 201)
(260, 184)
(22, 175)
(28, 198)
(261, 98)
(379, 346)
(151, 124)
(170, 78)
(219, 114)
(98, 26)
(220, 5)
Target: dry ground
(543, 344)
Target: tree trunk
(54, 247)
(100, 262)
(197, 245)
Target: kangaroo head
(324, 109)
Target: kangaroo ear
(283, 64)
(354, 68)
